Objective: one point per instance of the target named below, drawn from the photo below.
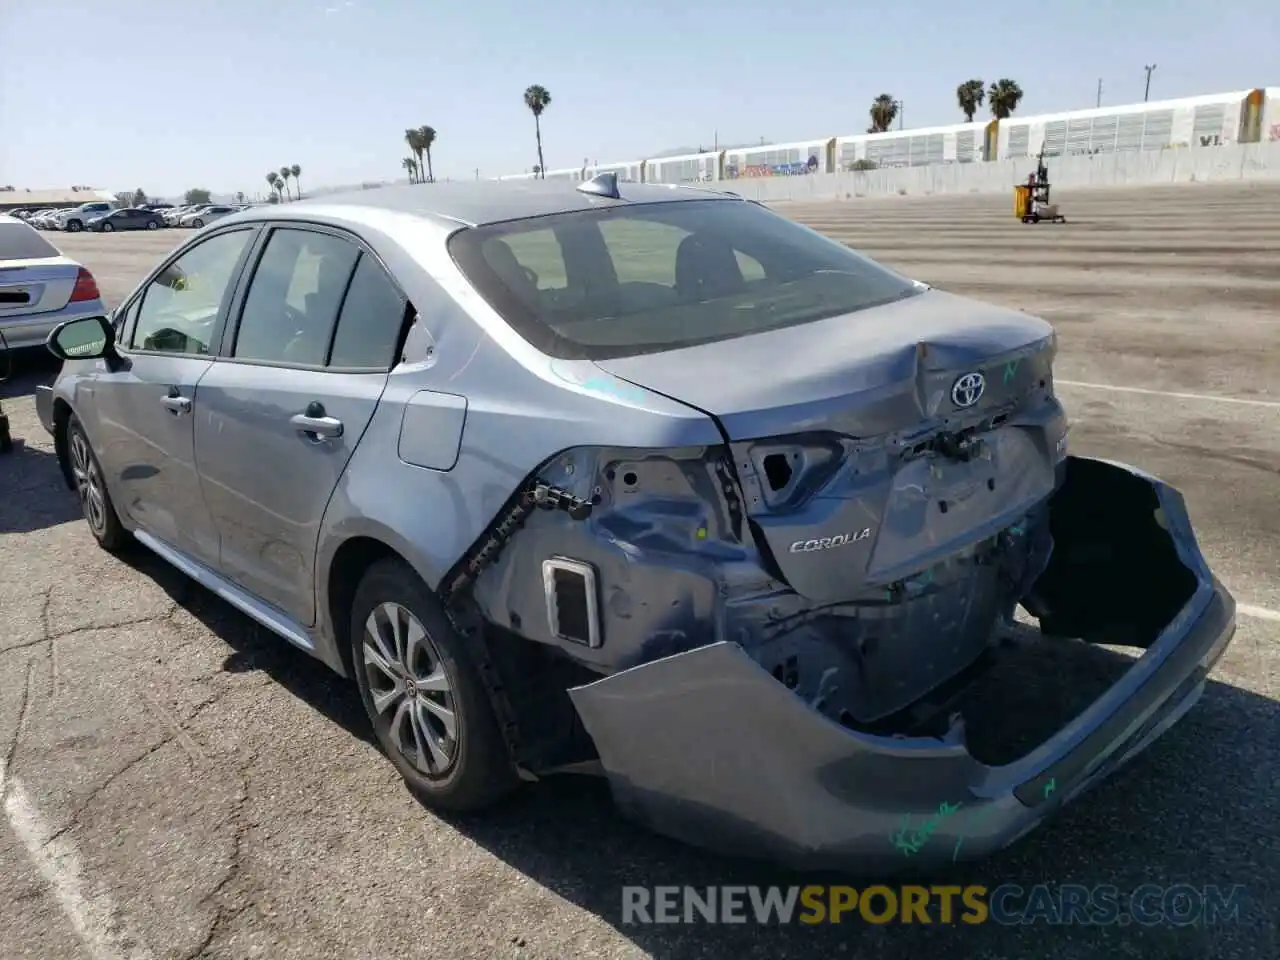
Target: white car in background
(171, 217)
(207, 215)
(74, 220)
(39, 287)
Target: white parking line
(93, 915)
(1258, 613)
(1274, 404)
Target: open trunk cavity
(1099, 564)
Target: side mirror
(86, 338)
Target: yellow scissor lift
(1031, 199)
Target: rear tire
(423, 693)
(99, 511)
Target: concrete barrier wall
(1234, 162)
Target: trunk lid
(871, 446)
(39, 285)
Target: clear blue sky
(170, 94)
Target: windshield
(651, 277)
(20, 242)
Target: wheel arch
(341, 577)
(61, 417)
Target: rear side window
(20, 242)
(293, 301)
(371, 320)
(644, 278)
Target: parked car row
(106, 216)
(70, 219)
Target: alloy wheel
(411, 691)
(88, 483)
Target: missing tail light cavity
(777, 471)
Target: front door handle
(315, 425)
(177, 403)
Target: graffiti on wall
(1274, 134)
(798, 169)
(1213, 141)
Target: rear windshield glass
(651, 277)
(20, 242)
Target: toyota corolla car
(646, 481)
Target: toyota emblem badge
(968, 390)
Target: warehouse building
(14, 198)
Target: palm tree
(426, 137)
(1004, 97)
(411, 165)
(884, 110)
(970, 95)
(273, 179)
(414, 140)
(537, 98)
(284, 178)
(296, 171)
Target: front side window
(180, 306)
(124, 320)
(644, 278)
(292, 304)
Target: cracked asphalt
(198, 788)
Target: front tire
(423, 693)
(152, 225)
(107, 228)
(99, 511)
(74, 226)
(197, 223)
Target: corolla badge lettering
(968, 389)
(827, 543)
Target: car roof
(484, 202)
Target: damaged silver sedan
(649, 482)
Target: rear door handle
(177, 403)
(315, 425)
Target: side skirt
(257, 610)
